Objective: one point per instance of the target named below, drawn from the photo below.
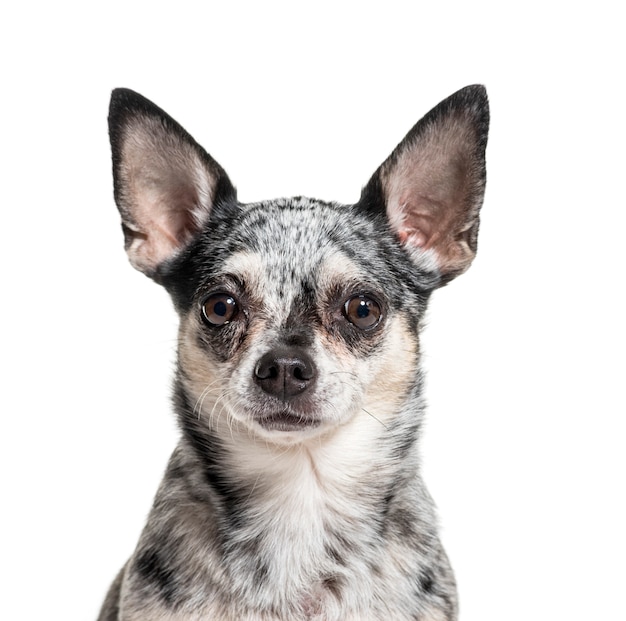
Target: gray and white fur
(295, 491)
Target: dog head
(297, 315)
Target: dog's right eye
(218, 309)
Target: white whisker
(375, 418)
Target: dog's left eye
(218, 309)
(362, 311)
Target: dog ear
(432, 185)
(165, 183)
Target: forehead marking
(257, 272)
(338, 268)
(245, 265)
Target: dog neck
(312, 513)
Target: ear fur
(165, 183)
(432, 185)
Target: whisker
(343, 373)
(376, 419)
(198, 405)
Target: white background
(524, 448)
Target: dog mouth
(287, 421)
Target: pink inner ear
(168, 193)
(416, 221)
(412, 237)
(432, 185)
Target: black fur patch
(155, 571)
(427, 581)
(333, 585)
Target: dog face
(299, 316)
(301, 326)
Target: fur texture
(295, 492)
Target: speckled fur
(329, 521)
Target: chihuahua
(295, 491)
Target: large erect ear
(432, 185)
(165, 183)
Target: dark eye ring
(219, 309)
(363, 311)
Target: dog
(295, 491)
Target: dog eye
(218, 309)
(363, 312)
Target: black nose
(285, 372)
